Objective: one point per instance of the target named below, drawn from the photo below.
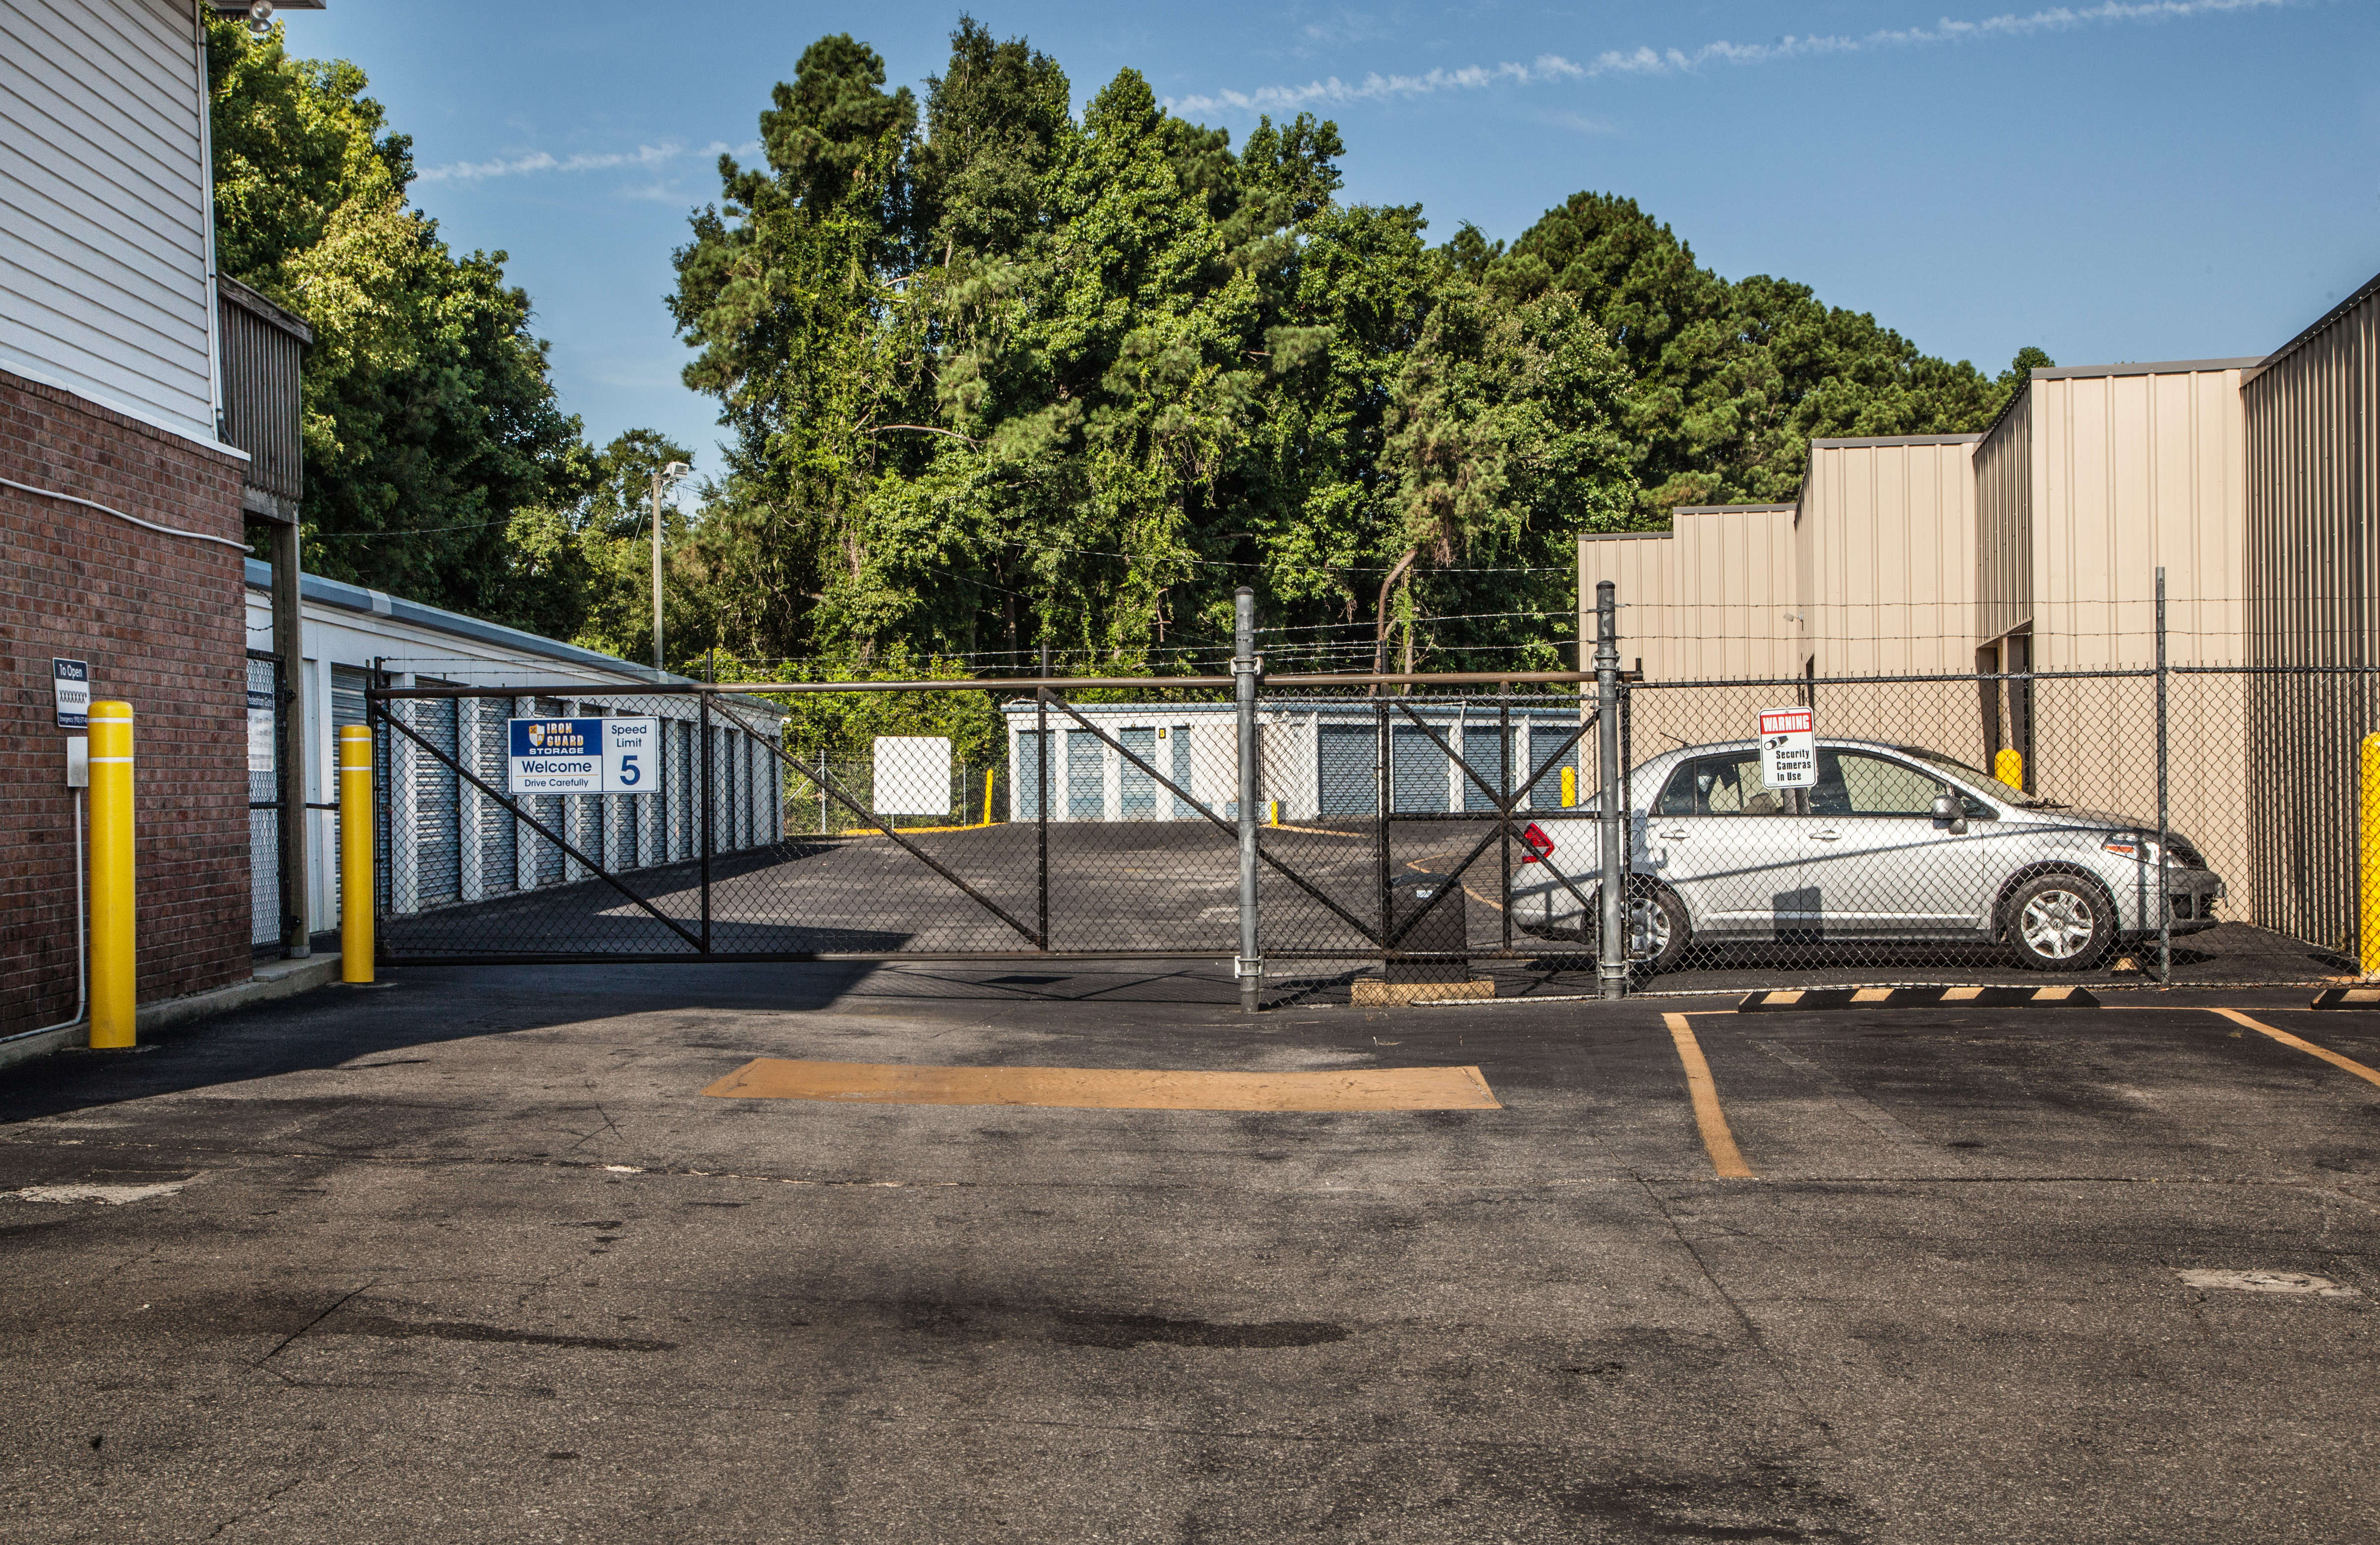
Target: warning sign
(1788, 748)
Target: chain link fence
(2192, 826)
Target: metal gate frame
(1382, 939)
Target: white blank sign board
(913, 775)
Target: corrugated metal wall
(1714, 596)
(1643, 570)
(1888, 536)
(2132, 471)
(2003, 464)
(1735, 612)
(2312, 491)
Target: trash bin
(1448, 927)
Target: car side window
(1853, 783)
(1719, 785)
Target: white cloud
(643, 156)
(1335, 91)
(1644, 61)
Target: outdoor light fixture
(259, 13)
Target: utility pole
(662, 477)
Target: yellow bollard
(986, 797)
(114, 989)
(1570, 787)
(2009, 767)
(355, 853)
(2370, 856)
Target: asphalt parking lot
(473, 1256)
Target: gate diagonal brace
(1218, 822)
(534, 824)
(1504, 807)
(824, 783)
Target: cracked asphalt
(470, 1258)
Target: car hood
(2081, 817)
(2093, 820)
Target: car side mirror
(1948, 811)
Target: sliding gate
(1385, 827)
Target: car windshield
(1952, 764)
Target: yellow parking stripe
(2347, 1064)
(1718, 1141)
(1383, 1089)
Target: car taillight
(1540, 846)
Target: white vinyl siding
(104, 205)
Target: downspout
(207, 206)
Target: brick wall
(162, 620)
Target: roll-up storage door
(499, 829)
(1087, 781)
(1026, 775)
(1417, 771)
(437, 813)
(1138, 790)
(1483, 752)
(1350, 769)
(545, 856)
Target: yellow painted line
(2346, 1064)
(1872, 995)
(1718, 1141)
(1105, 1088)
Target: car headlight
(2132, 845)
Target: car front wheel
(2060, 922)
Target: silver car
(1892, 843)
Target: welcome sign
(585, 756)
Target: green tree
(430, 420)
(1733, 380)
(583, 571)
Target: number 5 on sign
(629, 748)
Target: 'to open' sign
(1788, 748)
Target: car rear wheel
(2060, 922)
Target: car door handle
(1674, 835)
(1830, 835)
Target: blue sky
(2163, 180)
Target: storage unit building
(1317, 759)
(464, 846)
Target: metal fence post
(705, 760)
(1384, 791)
(1611, 958)
(1041, 796)
(1250, 965)
(2165, 818)
(1504, 818)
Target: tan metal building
(2034, 547)
(2311, 482)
